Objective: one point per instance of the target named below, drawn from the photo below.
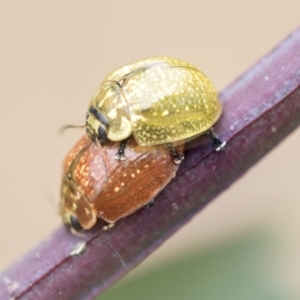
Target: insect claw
(150, 204)
(120, 156)
(108, 226)
(220, 145)
(178, 158)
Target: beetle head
(76, 212)
(109, 115)
(96, 125)
(71, 221)
(84, 175)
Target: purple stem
(260, 108)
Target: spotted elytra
(159, 100)
(95, 185)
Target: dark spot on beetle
(75, 223)
(100, 117)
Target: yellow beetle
(159, 100)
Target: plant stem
(259, 110)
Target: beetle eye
(75, 223)
(99, 116)
(102, 134)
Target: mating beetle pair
(157, 101)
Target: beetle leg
(108, 226)
(178, 157)
(150, 204)
(219, 144)
(120, 155)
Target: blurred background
(53, 55)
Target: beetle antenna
(49, 196)
(97, 143)
(64, 128)
(115, 253)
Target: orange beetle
(96, 185)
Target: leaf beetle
(158, 100)
(96, 185)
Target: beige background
(54, 55)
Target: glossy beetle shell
(158, 100)
(95, 185)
